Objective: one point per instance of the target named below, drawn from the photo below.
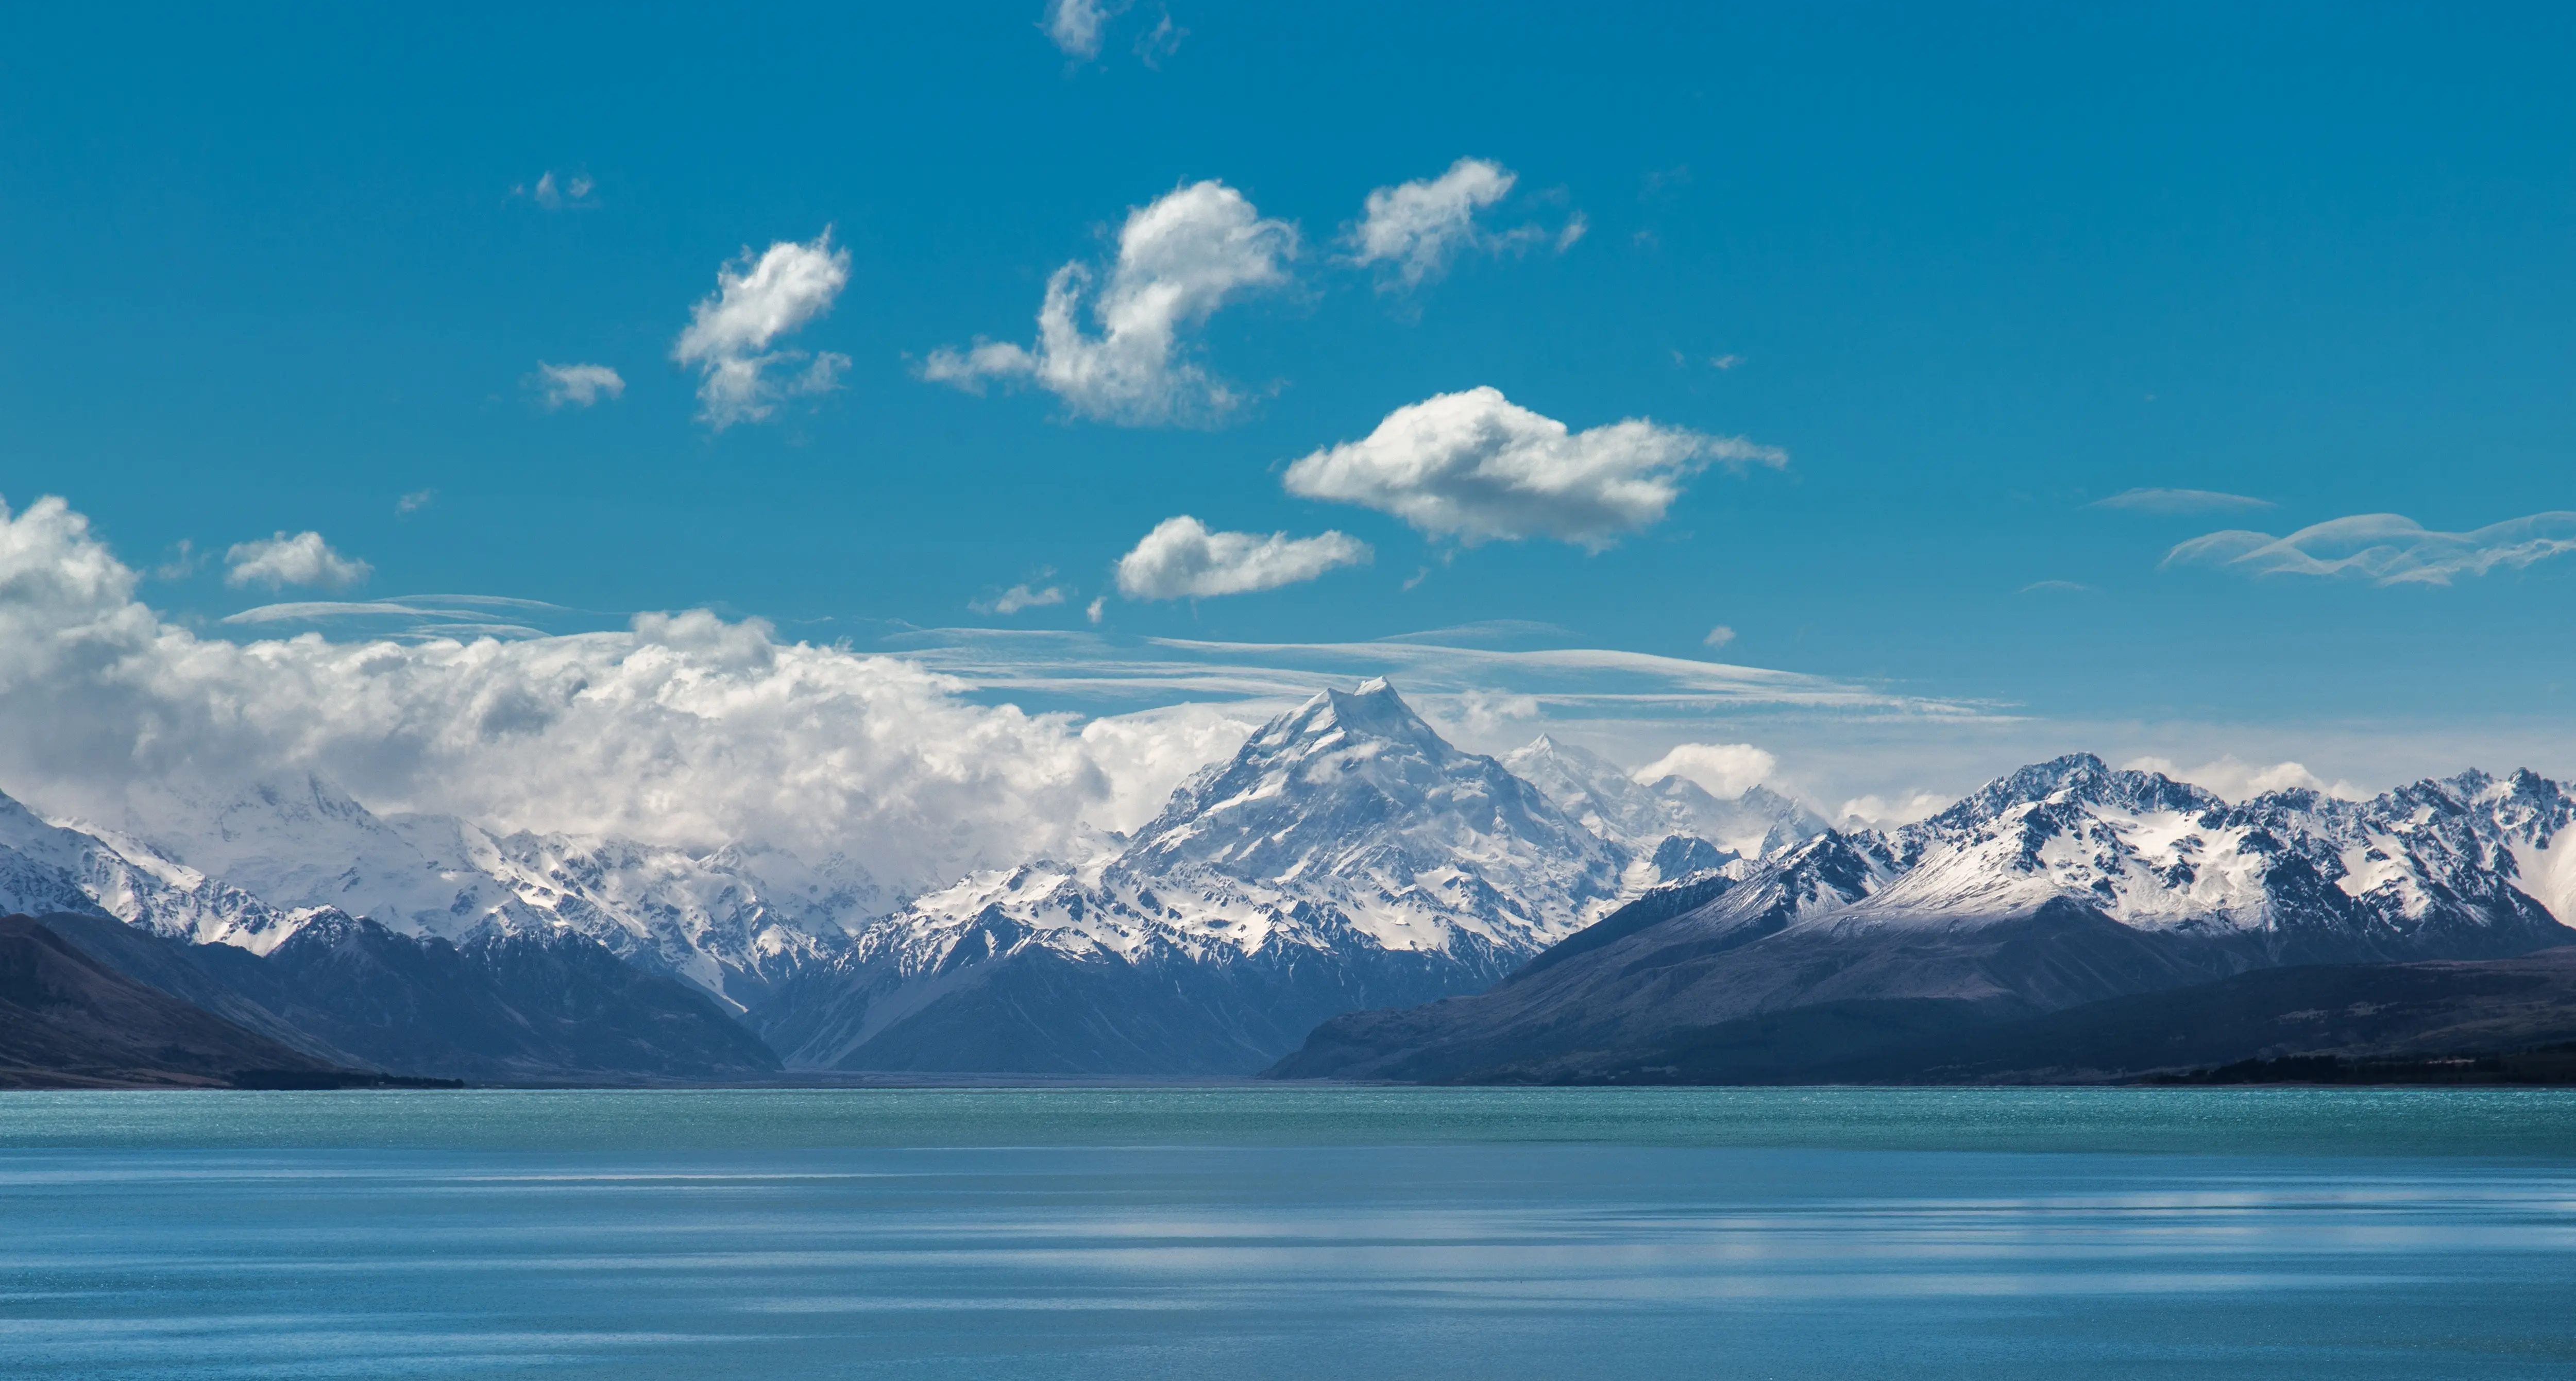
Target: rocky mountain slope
(2062, 884)
(1347, 855)
(67, 1021)
(501, 1008)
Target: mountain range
(2063, 884)
(1349, 895)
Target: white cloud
(2237, 780)
(1096, 609)
(1719, 636)
(1475, 466)
(1160, 42)
(182, 564)
(1413, 229)
(1181, 559)
(2178, 501)
(1019, 597)
(2384, 549)
(680, 729)
(2056, 587)
(578, 385)
(1881, 813)
(1075, 25)
(1724, 770)
(571, 194)
(1482, 714)
(757, 301)
(1179, 259)
(279, 561)
(415, 501)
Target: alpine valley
(1348, 896)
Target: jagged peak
(2078, 777)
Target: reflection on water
(164, 1239)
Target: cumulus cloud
(1181, 559)
(681, 729)
(2384, 549)
(2237, 780)
(1723, 770)
(578, 385)
(730, 332)
(1019, 597)
(1475, 466)
(1717, 637)
(1181, 258)
(1412, 230)
(1075, 25)
(279, 561)
(2179, 501)
(1881, 813)
(414, 502)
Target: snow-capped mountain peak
(1354, 785)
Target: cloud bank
(1182, 559)
(2384, 549)
(1190, 252)
(757, 301)
(680, 729)
(1475, 466)
(279, 561)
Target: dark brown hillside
(68, 1022)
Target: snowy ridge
(2425, 865)
(732, 921)
(48, 867)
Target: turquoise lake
(1290, 1233)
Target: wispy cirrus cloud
(2384, 549)
(1188, 253)
(1182, 559)
(1476, 466)
(757, 301)
(2179, 501)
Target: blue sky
(1972, 271)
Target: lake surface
(1290, 1233)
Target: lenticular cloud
(684, 729)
